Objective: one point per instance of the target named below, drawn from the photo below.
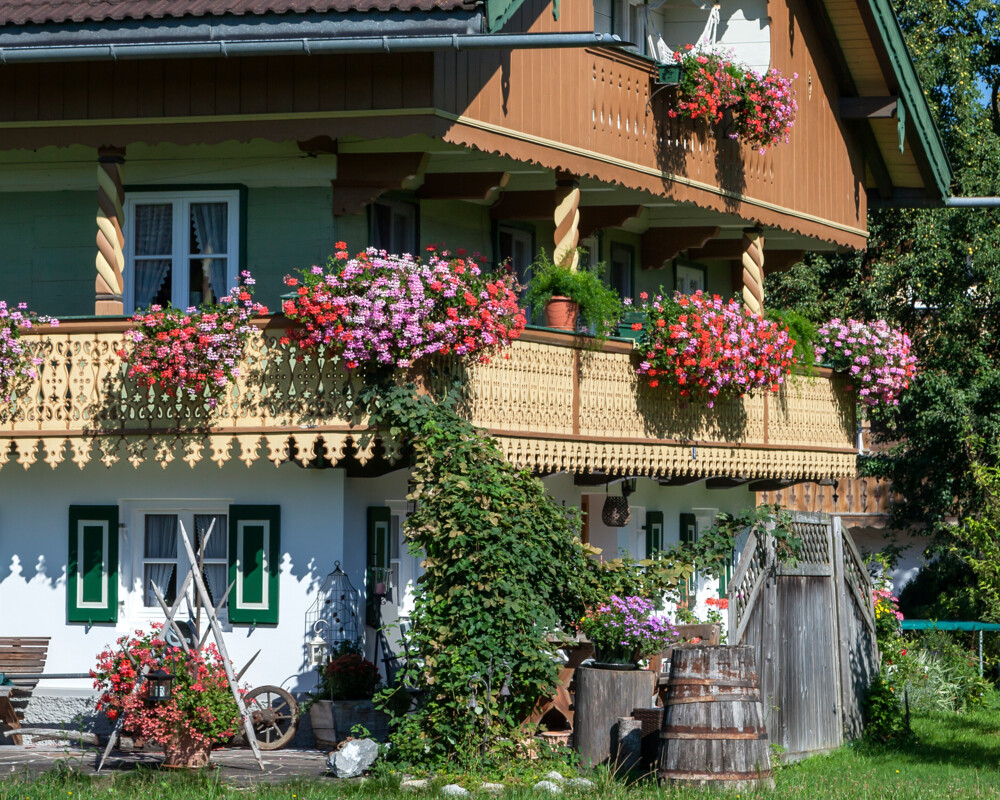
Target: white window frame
(132, 612)
(398, 209)
(181, 229)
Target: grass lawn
(954, 757)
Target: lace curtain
(210, 224)
(153, 237)
(161, 543)
(215, 554)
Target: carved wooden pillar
(110, 240)
(753, 269)
(567, 219)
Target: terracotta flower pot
(184, 752)
(561, 313)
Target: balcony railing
(555, 403)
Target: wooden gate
(812, 625)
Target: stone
(492, 788)
(553, 776)
(414, 784)
(454, 790)
(550, 787)
(353, 758)
(582, 784)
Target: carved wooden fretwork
(552, 406)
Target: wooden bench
(19, 655)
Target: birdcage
(333, 616)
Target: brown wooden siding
(859, 500)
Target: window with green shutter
(92, 566)
(654, 532)
(254, 564)
(688, 535)
(379, 551)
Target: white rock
(454, 790)
(414, 784)
(353, 758)
(580, 783)
(553, 776)
(548, 786)
(492, 788)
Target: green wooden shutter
(254, 564)
(92, 567)
(654, 532)
(379, 530)
(689, 533)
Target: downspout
(305, 46)
(972, 202)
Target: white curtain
(153, 237)
(210, 223)
(215, 552)
(161, 543)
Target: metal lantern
(616, 511)
(411, 500)
(160, 686)
(333, 616)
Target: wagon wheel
(274, 715)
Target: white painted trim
(265, 575)
(103, 602)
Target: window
(620, 275)
(389, 557)
(516, 247)
(164, 557)
(394, 226)
(181, 247)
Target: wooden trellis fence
(812, 625)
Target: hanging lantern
(319, 648)
(411, 501)
(616, 512)
(160, 686)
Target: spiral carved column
(110, 240)
(753, 269)
(567, 219)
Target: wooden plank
(843, 646)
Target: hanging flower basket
(714, 87)
(876, 356)
(18, 360)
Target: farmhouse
(152, 151)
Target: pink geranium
(875, 355)
(18, 361)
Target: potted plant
(625, 630)
(569, 295)
(195, 712)
(343, 700)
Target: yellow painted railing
(555, 403)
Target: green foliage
(943, 675)
(504, 566)
(348, 675)
(885, 723)
(600, 306)
(801, 329)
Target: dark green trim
(89, 555)
(919, 118)
(654, 539)
(239, 613)
(499, 12)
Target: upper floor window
(621, 273)
(515, 246)
(181, 247)
(394, 226)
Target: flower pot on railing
(561, 313)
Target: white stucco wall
(33, 554)
(911, 559)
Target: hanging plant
(190, 352)
(18, 360)
(710, 347)
(876, 355)
(763, 107)
(383, 309)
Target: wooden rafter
(659, 245)
(462, 185)
(868, 107)
(524, 206)
(361, 177)
(595, 218)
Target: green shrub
(885, 720)
(943, 675)
(600, 306)
(801, 329)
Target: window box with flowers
(710, 348)
(18, 361)
(193, 353)
(759, 109)
(383, 310)
(199, 713)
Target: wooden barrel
(602, 696)
(713, 729)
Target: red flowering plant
(201, 705)
(391, 310)
(763, 107)
(710, 347)
(196, 351)
(347, 675)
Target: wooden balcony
(556, 404)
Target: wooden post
(110, 284)
(753, 269)
(567, 219)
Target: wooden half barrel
(602, 696)
(713, 727)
